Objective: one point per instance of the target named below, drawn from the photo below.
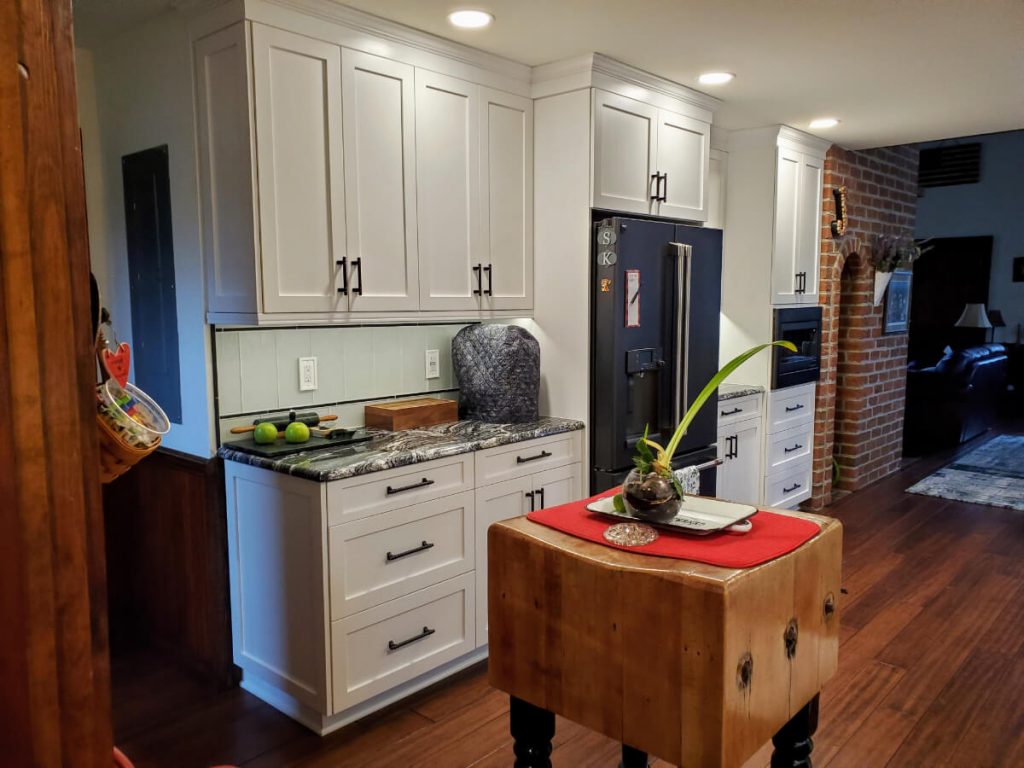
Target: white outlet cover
(433, 360)
(307, 374)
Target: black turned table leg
(532, 728)
(633, 757)
(793, 743)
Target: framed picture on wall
(897, 303)
(1018, 269)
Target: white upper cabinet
(301, 190)
(797, 235)
(506, 201)
(648, 159)
(683, 156)
(380, 187)
(625, 153)
(339, 185)
(448, 191)
(474, 149)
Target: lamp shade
(973, 316)
(996, 318)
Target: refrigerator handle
(685, 253)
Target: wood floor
(931, 668)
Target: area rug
(992, 474)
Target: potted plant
(651, 490)
(890, 253)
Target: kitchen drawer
(738, 409)
(790, 407)
(392, 643)
(507, 462)
(383, 557)
(787, 488)
(789, 447)
(358, 497)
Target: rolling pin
(310, 419)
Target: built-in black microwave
(802, 327)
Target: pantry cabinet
(797, 234)
(649, 160)
(339, 185)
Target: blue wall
(995, 206)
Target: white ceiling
(893, 71)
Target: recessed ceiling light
(824, 122)
(715, 78)
(470, 19)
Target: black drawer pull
(530, 496)
(342, 264)
(427, 632)
(791, 408)
(788, 490)
(421, 484)
(421, 548)
(541, 455)
(796, 447)
(541, 492)
(734, 410)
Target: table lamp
(973, 316)
(996, 318)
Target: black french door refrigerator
(655, 300)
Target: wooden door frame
(54, 665)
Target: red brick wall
(859, 409)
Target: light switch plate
(307, 374)
(433, 364)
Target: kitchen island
(359, 573)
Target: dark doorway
(954, 272)
(147, 213)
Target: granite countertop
(388, 450)
(729, 391)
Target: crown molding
(638, 77)
(390, 31)
(803, 140)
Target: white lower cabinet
(739, 474)
(789, 445)
(348, 595)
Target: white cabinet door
(225, 139)
(625, 152)
(448, 191)
(554, 487)
(506, 204)
(784, 250)
(494, 503)
(299, 154)
(380, 170)
(683, 156)
(739, 477)
(808, 241)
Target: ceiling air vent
(950, 165)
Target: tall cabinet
(339, 184)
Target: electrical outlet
(307, 374)
(433, 364)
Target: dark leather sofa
(955, 399)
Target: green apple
(296, 432)
(265, 433)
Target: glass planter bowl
(650, 497)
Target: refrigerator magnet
(632, 298)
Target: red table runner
(771, 536)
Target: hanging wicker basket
(116, 455)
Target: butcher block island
(359, 572)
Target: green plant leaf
(677, 485)
(711, 386)
(618, 503)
